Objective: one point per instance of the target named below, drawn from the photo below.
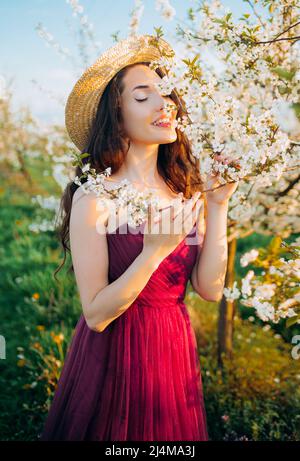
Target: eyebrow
(140, 86)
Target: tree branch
(289, 187)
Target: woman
(132, 371)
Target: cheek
(137, 117)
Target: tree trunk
(227, 309)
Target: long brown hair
(106, 148)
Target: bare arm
(200, 230)
(102, 302)
(208, 275)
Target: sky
(25, 56)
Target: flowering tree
(243, 110)
(275, 291)
(247, 110)
(20, 139)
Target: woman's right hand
(169, 227)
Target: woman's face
(143, 106)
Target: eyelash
(141, 100)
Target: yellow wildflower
(58, 339)
(37, 346)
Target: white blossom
(248, 257)
(232, 293)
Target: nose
(167, 104)
(163, 103)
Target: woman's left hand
(223, 193)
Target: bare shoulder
(77, 195)
(88, 208)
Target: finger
(192, 219)
(213, 181)
(148, 219)
(195, 211)
(179, 218)
(164, 217)
(169, 213)
(168, 219)
(193, 200)
(152, 218)
(186, 212)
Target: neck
(140, 164)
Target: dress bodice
(168, 282)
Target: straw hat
(84, 98)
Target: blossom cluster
(275, 291)
(135, 17)
(121, 197)
(243, 103)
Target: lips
(164, 123)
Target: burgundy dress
(140, 378)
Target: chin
(167, 138)
(169, 141)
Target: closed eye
(141, 100)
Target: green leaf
(218, 21)
(275, 243)
(283, 73)
(296, 107)
(283, 89)
(291, 321)
(191, 14)
(159, 32)
(195, 58)
(271, 7)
